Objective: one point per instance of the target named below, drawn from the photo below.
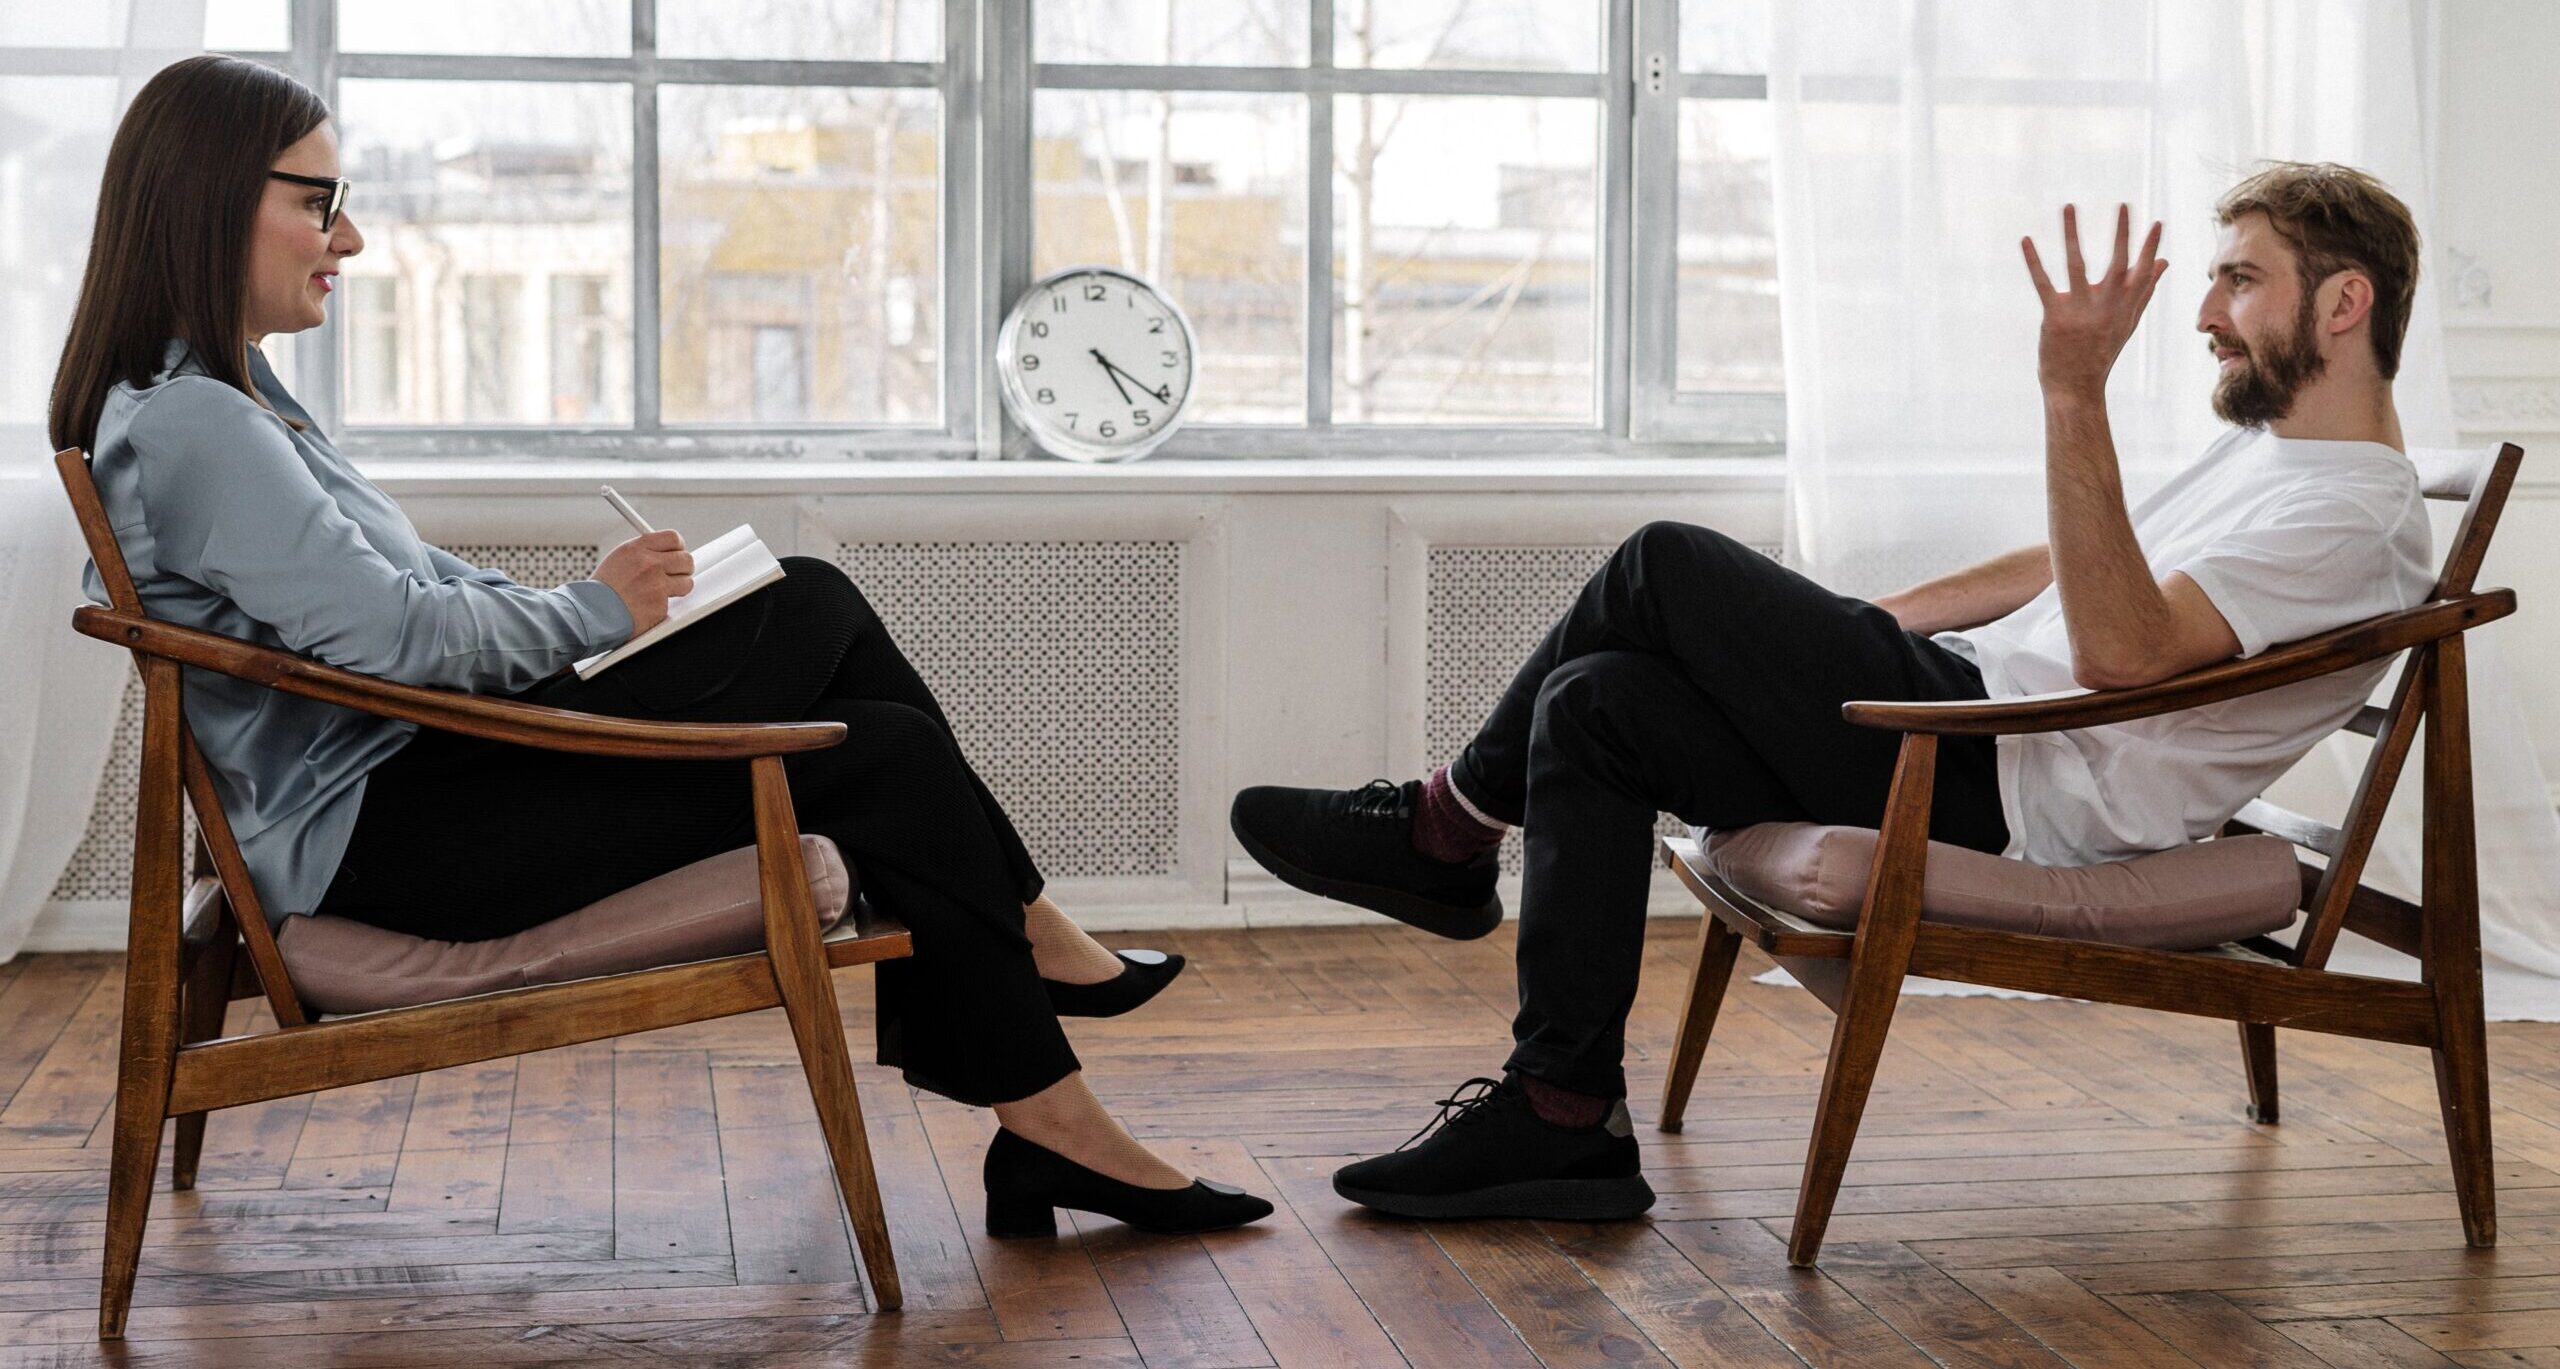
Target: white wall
(2497, 255)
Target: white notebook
(725, 569)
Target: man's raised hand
(2086, 323)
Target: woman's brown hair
(169, 256)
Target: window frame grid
(1318, 83)
(648, 436)
(987, 80)
(1732, 421)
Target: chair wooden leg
(2258, 1060)
(142, 1098)
(148, 1051)
(809, 1001)
(1857, 1042)
(1887, 926)
(1717, 946)
(208, 997)
(2462, 1092)
(2449, 940)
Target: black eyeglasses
(337, 188)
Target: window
(491, 320)
(814, 209)
(372, 305)
(780, 368)
(1707, 352)
(1379, 217)
(1204, 194)
(792, 226)
(580, 326)
(470, 189)
(1466, 235)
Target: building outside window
(371, 306)
(581, 333)
(492, 322)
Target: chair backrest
(2480, 479)
(213, 825)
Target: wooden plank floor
(2038, 1184)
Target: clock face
(1096, 364)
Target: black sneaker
(1491, 1155)
(1355, 846)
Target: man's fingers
(2145, 284)
(2072, 261)
(2119, 259)
(2035, 269)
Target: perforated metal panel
(1060, 665)
(1486, 608)
(102, 866)
(541, 565)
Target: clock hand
(1113, 372)
(1162, 394)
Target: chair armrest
(2309, 658)
(503, 720)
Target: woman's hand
(646, 572)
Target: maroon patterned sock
(1562, 1107)
(1443, 829)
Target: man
(1694, 675)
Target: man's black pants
(1692, 675)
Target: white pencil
(623, 506)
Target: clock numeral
(1057, 304)
(1030, 362)
(1106, 429)
(1071, 418)
(1093, 292)
(1155, 325)
(1039, 329)
(1139, 417)
(1170, 360)
(1048, 396)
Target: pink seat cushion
(2185, 898)
(707, 909)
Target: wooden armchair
(200, 939)
(2259, 982)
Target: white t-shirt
(2288, 538)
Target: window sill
(1367, 475)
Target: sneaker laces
(1378, 799)
(1459, 1108)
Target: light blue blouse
(234, 522)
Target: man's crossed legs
(1691, 675)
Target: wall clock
(1096, 364)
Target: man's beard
(2268, 379)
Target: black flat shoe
(1143, 975)
(1027, 1182)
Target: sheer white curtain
(1917, 141)
(66, 74)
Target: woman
(222, 220)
